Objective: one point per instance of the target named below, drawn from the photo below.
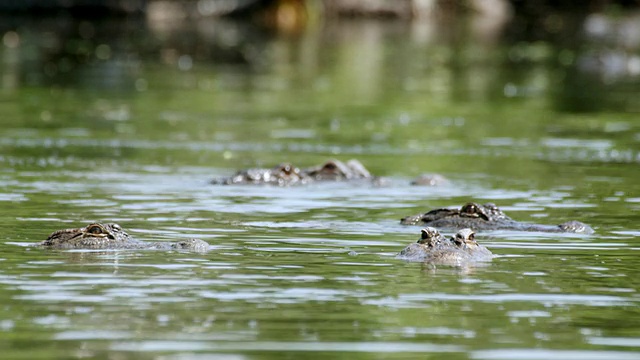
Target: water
(128, 122)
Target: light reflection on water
(373, 347)
(531, 354)
(412, 300)
(551, 149)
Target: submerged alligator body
(111, 236)
(286, 174)
(433, 248)
(487, 217)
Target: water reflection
(453, 58)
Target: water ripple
(316, 346)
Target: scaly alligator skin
(433, 248)
(283, 174)
(286, 174)
(111, 236)
(487, 217)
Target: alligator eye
(469, 209)
(471, 236)
(330, 166)
(95, 229)
(428, 233)
(286, 168)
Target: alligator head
(282, 174)
(337, 170)
(487, 217)
(92, 236)
(486, 212)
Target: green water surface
(127, 121)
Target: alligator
(111, 236)
(487, 217)
(460, 250)
(286, 174)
